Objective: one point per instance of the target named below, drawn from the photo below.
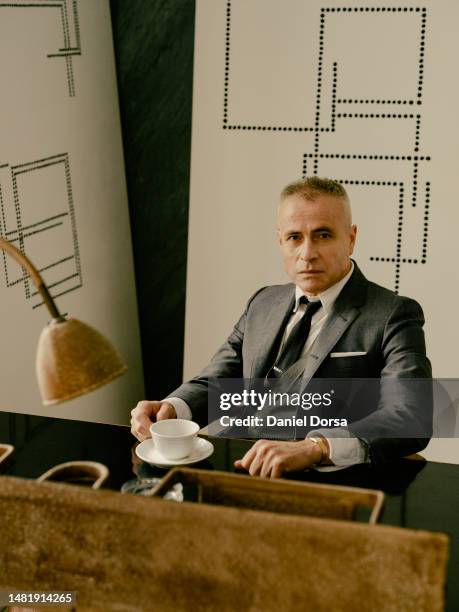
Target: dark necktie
(296, 340)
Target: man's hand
(272, 458)
(145, 413)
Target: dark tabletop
(419, 494)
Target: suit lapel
(332, 331)
(271, 332)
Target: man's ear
(279, 241)
(353, 237)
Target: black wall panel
(154, 42)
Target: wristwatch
(322, 445)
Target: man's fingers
(272, 463)
(271, 459)
(265, 468)
(257, 464)
(166, 411)
(144, 409)
(246, 460)
(141, 418)
(140, 427)
(276, 471)
(253, 460)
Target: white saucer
(147, 452)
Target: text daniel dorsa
(308, 420)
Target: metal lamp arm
(28, 266)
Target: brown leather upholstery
(133, 553)
(85, 473)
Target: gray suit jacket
(366, 318)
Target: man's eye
(293, 237)
(324, 235)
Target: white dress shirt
(345, 450)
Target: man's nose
(308, 250)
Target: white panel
(63, 196)
(361, 92)
(261, 78)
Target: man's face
(316, 239)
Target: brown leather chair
(86, 473)
(130, 552)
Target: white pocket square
(349, 354)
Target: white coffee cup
(174, 438)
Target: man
(357, 330)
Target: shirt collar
(327, 297)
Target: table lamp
(72, 357)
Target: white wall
(63, 196)
(361, 92)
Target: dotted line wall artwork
(66, 267)
(71, 37)
(396, 109)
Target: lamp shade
(72, 359)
